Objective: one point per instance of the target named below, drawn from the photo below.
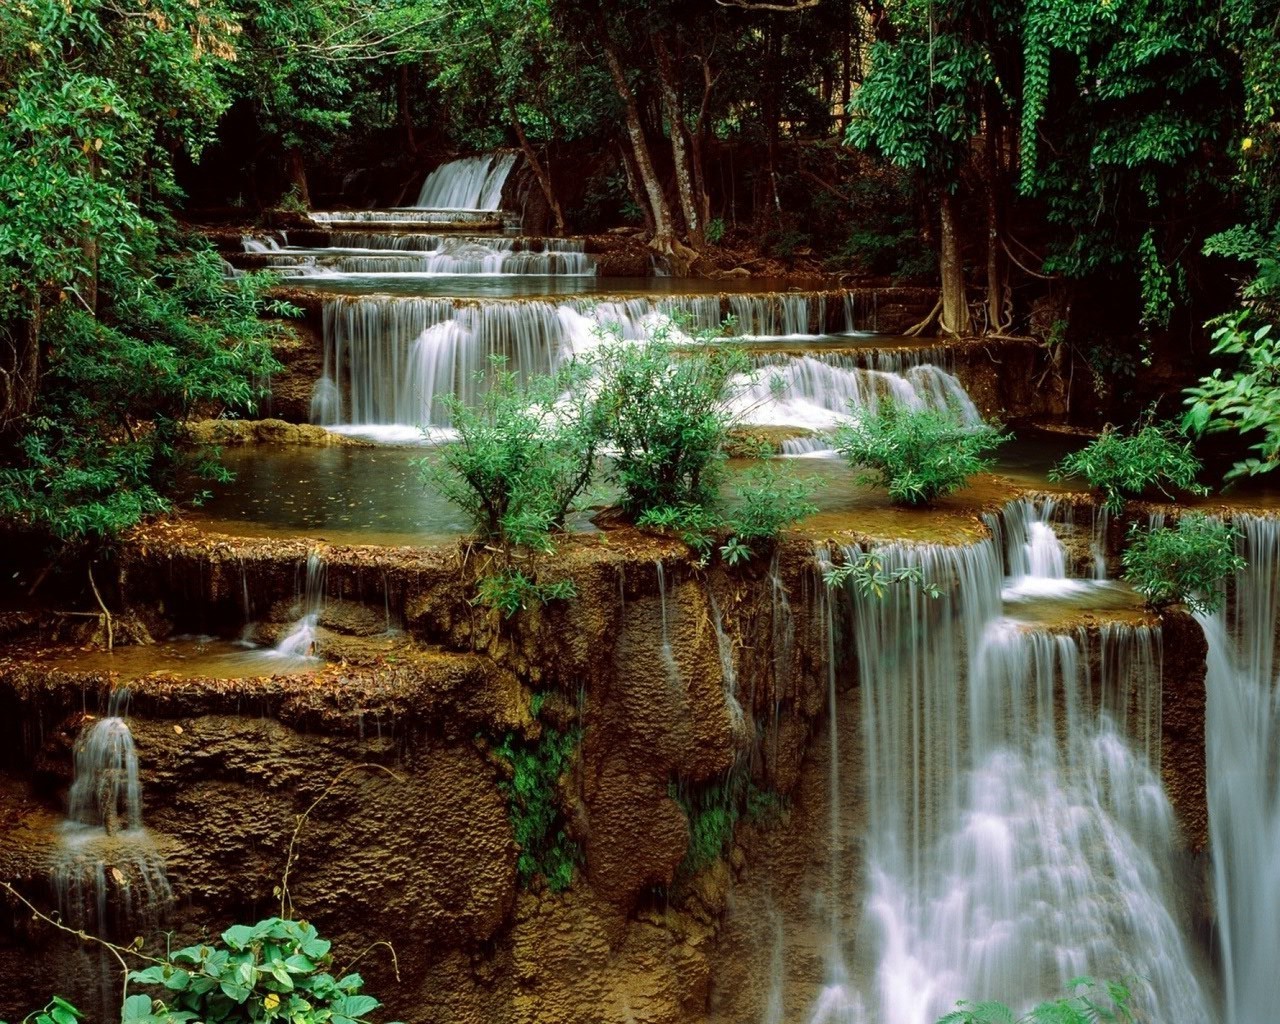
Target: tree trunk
(406, 115)
(297, 169)
(690, 205)
(19, 366)
(664, 239)
(539, 171)
(995, 264)
(699, 141)
(633, 186)
(955, 308)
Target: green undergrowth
(1089, 1002)
(1154, 457)
(714, 811)
(1184, 564)
(534, 805)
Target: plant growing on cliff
(1186, 564)
(767, 501)
(866, 572)
(918, 454)
(522, 460)
(1156, 456)
(1090, 1002)
(533, 805)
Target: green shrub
(1186, 564)
(1100, 1002)
(1156, 456)
(509, 590)
(768, 501)
(668, 417)
(713, 813)
(522, 458)
(918, 454)
(715, 230)
(533, 805)
(274, 970)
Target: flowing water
(1017, 830)
(1243, 736)
(472, 183)
(300, 640)
(108, 878)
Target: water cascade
(372, 254)
(108, 877)
(472, 183)
(1243, 730)
(1017, 835)
(388, 359)
(300, 640)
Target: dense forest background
(1100, 175)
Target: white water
(391, 255)
(1243, 737)
(472, 183)
(1017, 835)
(399, 355)
(300, 640)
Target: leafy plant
(274, 970)
(523, 458)
(866, 572)
(715, 230)
(1185, 564)
(1155, 456)
(533, 805)
(918, 454)
(509, 590)
(713, 813)
(1100, 1002)
(768, 501)
(668, 417)
(56, 1011)
(694, 523)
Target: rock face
(683, 681)
(414, 842)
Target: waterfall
(1017, 834)
(372, 254)
(472, 183)
(300, 640)
(399, 354)
(1242, 738)
(108, 878)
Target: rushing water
(472, 183)
(1243, 733)
(1018, 834)
(108, 877)
(384, 256)
(300, 640)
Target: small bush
(533, 805)
(274, 970)
(768, 501)
(715, 230)
(1156, 456)
(522, 460)
(509, 590)
(1186, 564)
(522, 457)
(668, 417)
(918, 454)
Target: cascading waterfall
(399, 354)
(472, 183)
(300, 640)
(108, 877)
(1016, 837)
(387, 360)
(818, 390)
(1242, 737)
(372, 254)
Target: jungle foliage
(916, 454)
(1184, 564)
(1153, 457)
